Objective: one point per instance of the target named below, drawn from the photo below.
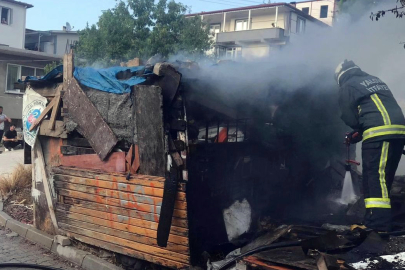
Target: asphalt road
(19, 250)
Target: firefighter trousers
(380, 162)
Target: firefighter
(370, 109)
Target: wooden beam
(149, 121)
(40, 165)
(114, 163)
(68, 68)
(55, 108)
(43, 114)
(58, 132)
(89, 120)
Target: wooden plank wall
(108, 211)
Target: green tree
(49, 67)
(142, 28)
(357, 8)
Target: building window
(305, 10)
(215, 29)
(15, 73)
(241, 25)
(324, 11)
(233, 53)
(300, 26)
(5, 15)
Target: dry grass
(18, 180)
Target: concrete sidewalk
(10, 160)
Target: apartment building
(256, 31)
(12, 23)
(15, 61)
(56, 42)
(323, 10)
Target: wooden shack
(152, 173)
(107, 195)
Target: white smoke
(375, 46)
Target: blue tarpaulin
(101, 79)
(105, 79)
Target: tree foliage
(49, 67)
(142, 28)
(357, 8)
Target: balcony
(266, 35)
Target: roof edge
(298, 11)
(28, 53)
(26, 5)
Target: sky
(53, 14)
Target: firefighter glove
(354, 137)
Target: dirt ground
(20, 206)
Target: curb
(81, 258)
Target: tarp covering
(106, 80)
(101, 79)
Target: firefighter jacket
(368, 105)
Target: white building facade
(256, 31)
(323, 10)
(51, 42)
(12, 23)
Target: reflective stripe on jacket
(367, 104)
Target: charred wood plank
(114, 163)
(114, 231)
(133, 225)
(68, 150)
(89, 120)
(126, 243)
(112, 246)
(127, 196)
(149, 115)
(144, 207)
(58, 132)
(145, 189)
(169, 80)
(145, 211)
(139, 179)
(66, 203)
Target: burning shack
(152, 162)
